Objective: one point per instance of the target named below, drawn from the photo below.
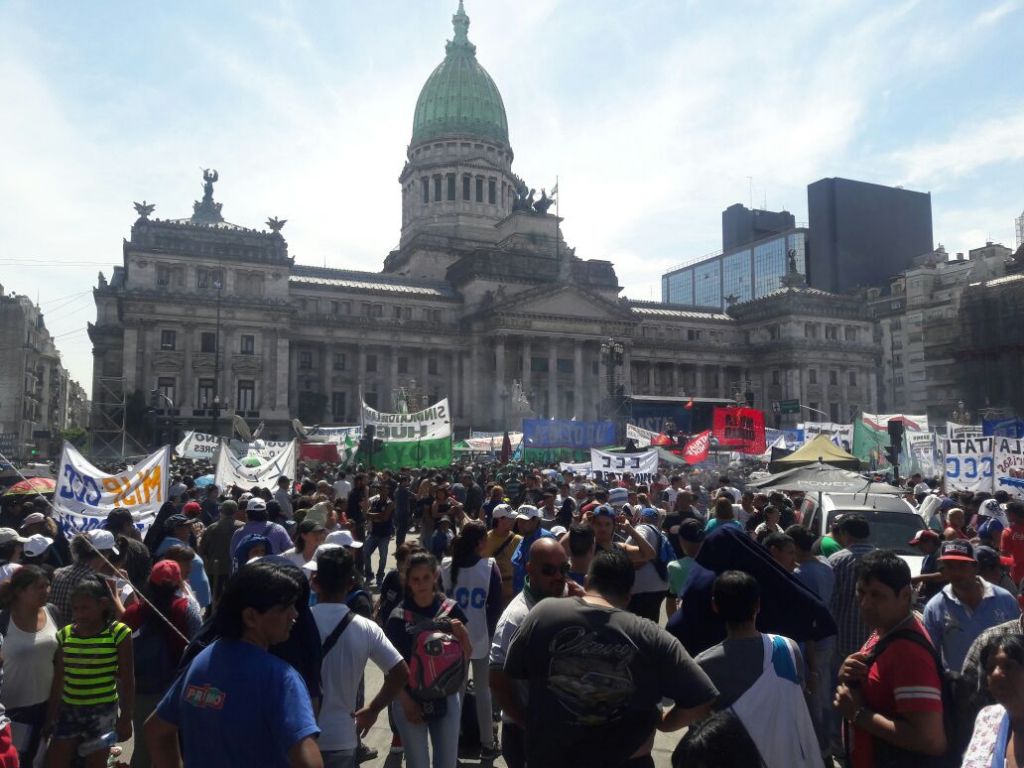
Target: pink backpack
(437, 668)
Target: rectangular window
(248, 344)
(833, 378)
(775, 377)
(437, 189)
(692, 334)
(425, 183)
(339, 361)
(167, 387)
(377, 310)
(246, 395)
(338, 406)
(853, 378)
(833, 412)
(479, 190)
(467, 183)
(831, 332)
(204, 396)
(168, 340)
(396, 312)
(564, 365)
(810, 331)
(812, 376)
(208, 342)
(345, 307)
(305, 359)
(209, 279)
(371, 398)
(492, 191)
(539, 364)
(432, 366)
(851, 334)
(334, 308)
(403, 364)
(163, 276)
(450, 179)
(371, 363)
(813, 406)
(367, 309)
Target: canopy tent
(822, 449)
(822, 478)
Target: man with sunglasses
(546, 576)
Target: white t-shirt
(647, 578)
(28, 664)
(471, 595)
(342, 488)
(342, 669)
(298, 558)
(514, 615)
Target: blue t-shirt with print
(238, 705)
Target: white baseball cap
(102, 540)
(500, 511)
(37, 544)
(527, 512)
(7, 535)
(310, 567)
(342, 539)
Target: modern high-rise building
(742, 226)
(862, 234)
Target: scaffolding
(108, 436)
(1019, 221)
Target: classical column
(651, 365)
(325, 371)
(360, 378)
(723, 382)
(227, 394)
(473, 394)
(392, 355)
(527, 364)
(627, 370)
(130, 365)
(501, 389)
(146, 377)
(267, 396)
(577, 369)
(282, 379)
(187, 396)
(673, 372)
(873, 391)
(552, 379)
(453, 382)
(425, 373)
(291, 370)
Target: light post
(215, 411)
(612, 352)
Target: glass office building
(741, 274)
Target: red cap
(193, 509)
(165, 573)
(924, 535)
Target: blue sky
(654, 114)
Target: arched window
(425, 182)
(450, 179)
(479, 189)
(467, 182)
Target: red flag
(689, 404)
(739, 429)
(697, 449)
(661, 439)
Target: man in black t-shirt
(597, 673)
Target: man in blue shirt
(528, 526)
(965, 607)
(237, 705)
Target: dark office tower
(741, 226)
(863, 234)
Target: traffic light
(892, 455)
(895, 427)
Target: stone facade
(481, 293)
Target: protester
(474, 583)
(999, 728)
(890, 690)
(717, 741)
(309, 534)
(380, 515)
(94, 553)
(965, 607)
(567, 650)
(178, 529)
(581, 547)
(724, 515)
(930, 579)
(349, 642)
(28, 628)
(501, 544)
(235, 682)
(851, 533)
(991, 568)
(256, 514)
(760, 677)
(427, 724)
(651, 583)
(689, 536)
(528, 523)
(215, 547)
(93, 691)
(1012, 540)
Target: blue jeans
(442, 734)
(381, 545)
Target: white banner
(336, 435)
(840, 434)
(429, 424)
(493, 443)
(612, 466)
(921, 448)
(1008, 458)
(201, 445)
(880, 421)
(253, 470)
(954, 430)
(642, 437)
(583, 468)
(968, 464)
(85, 495)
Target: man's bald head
(547, 567)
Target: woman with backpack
(474, 583)
(29, 629)
(429, 631)
(158, 647)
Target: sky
(655, 116)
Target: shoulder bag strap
(504, 544)
(332, 639)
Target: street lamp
(215, 412)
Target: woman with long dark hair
(29, 629)
(162, 625)
(474, 583)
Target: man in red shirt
(890, 695)
(1012, 541)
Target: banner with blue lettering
(1008, 464)
(565, 433)
(85, 495)
(1003, 428)
(969, 464)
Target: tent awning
(819, 449)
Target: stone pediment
(564, 301)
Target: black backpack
(889, 756)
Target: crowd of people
(530, 614)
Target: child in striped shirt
(93, 689)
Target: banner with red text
(739, 429)
(698, 448)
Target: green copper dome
(459, 97)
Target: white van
(892, 520)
